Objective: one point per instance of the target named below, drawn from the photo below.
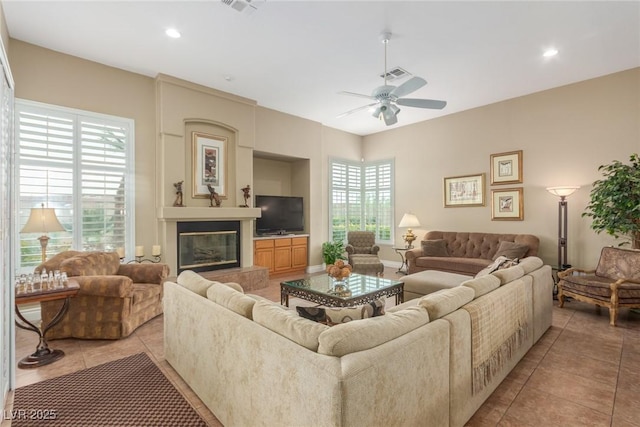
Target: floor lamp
(42, 220)
(563, 193)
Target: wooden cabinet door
(282, 258)
(299, 256)
(264, 258)
(263, 254)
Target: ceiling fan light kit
(388, 97)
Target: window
(81, 164)
(361, 198)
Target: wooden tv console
(281, 254)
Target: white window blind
(80, 164)
(361, 198)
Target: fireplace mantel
(207, 214)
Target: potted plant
(615, 201)
(332, 251)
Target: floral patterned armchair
(113, 300)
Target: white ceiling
(295, 56)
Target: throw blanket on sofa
(497, 331)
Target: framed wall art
(506, 168)
(507, 204)
(464, 191)
(209, 164)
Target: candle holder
(140, 259)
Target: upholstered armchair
(113, 300)
(362, 252)
(361, 243)
(615, 282)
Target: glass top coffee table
(357, 289)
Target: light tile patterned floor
(582, 372)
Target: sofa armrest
(105, 286)
(413, 254)
(350, 249)
(145, 273)
(375, 249)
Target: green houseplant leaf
(332, 251)
(615, 201)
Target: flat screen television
(280, 214)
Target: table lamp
(42, 220)
(408, 221)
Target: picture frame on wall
(209, 165)
(506, 168)
(507, 204)
(464, 191)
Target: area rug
(126, 392)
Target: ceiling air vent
(394, 74)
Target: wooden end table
(43, 354)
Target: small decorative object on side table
(404, 268)
(45, 291)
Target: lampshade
(563, 191)
(409, 220)
(42, 220)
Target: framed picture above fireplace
(209, 164)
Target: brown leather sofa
(113, 300)
(467, 253)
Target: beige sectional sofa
(465, 253)
(431, 361)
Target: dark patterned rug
(126, 392)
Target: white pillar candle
(120, 252)
(155, 250)
(139, 251)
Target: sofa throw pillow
(511, 250)
(334, 316)
(499, 263)
(434, 248)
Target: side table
(43, 354)
(402, 251)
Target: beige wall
(271, 177)
(565, 133)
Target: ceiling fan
(388, 97)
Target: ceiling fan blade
(360, 95)
(422, 103)
(355, 110)
(411, 85)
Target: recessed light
(550, 52)
(173, 33)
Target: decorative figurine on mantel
(246, 195)
(213, 197)
(178, 187)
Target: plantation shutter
(361, 199)
(79, 165)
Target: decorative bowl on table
(339, 272)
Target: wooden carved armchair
(614, 283)
(113, 300)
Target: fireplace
(208, 245)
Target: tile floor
(582, 372)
